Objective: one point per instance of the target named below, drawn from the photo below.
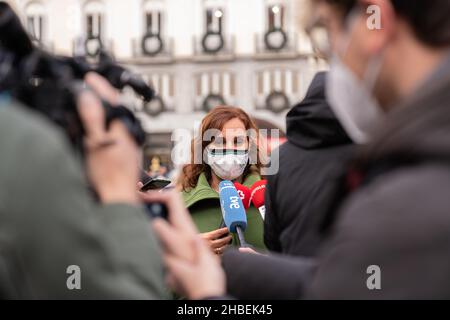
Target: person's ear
(380, 24)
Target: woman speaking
(228, 147)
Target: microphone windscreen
(257, 193)
(244, 194)
(233, 211)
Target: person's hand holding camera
(194, 271)
(111, 155)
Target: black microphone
(233, 211)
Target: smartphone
(155, 184)
(223, 225)
(152, 184)
(156, 210)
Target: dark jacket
(310, 164)
(397, 216)
(49, 221)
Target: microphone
(233, 211)
(257, 196)
(244, 194)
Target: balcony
(214, 88)
(275, 102)
(213, 47)
(276, 44)
(82, 46)
(276, 88)
(152, 49)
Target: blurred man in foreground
(390, 87)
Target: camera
(50, 84)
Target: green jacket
(204, 206)
(49, 221)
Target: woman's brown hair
(216, 119)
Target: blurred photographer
(49, 220)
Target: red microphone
(257, 196)
(244, 194)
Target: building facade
(196, 53)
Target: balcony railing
(152, 48)
(276, 43)
(81, 46)
(213, 46)
(205, 103)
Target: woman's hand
(217, 240)
(193, 271)
(111, 156)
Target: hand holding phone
(148, 183)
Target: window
(35, 16)
(214, 38)
(214, 88)
(276, 36)
(153, 19)
(153, 22)
(214, 16)
(275, 88)
(214, 20)
(275, 17)
(163, 84)
(94, 19)
(277, 79)
(220, 82)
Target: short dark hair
(430, 19)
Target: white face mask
(352, 99)
(227, 164)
